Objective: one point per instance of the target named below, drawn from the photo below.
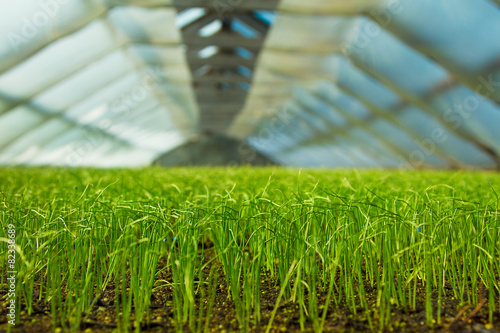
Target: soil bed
(455, 317)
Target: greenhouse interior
(250, 166)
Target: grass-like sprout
(252, 249)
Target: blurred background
(317, 83)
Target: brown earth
(102, 318)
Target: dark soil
(455, 317)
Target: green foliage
(331, 232)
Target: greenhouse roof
(334, 83)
